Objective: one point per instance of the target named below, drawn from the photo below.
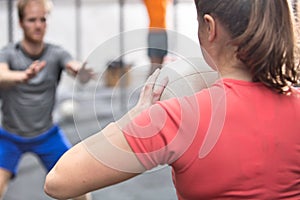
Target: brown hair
(23, 3)
(263, 31)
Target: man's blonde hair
(23, 3)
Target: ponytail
(268, 45)
(263, 32)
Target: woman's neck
(238, 72)
(231, 67)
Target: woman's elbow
(53, 188)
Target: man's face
(34, 22)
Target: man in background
(30, 73)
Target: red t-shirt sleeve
(157, 135)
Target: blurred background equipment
(115, 71)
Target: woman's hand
(151, 91)
(150, 94)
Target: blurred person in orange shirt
(157, 36)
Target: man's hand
(9, 78)
(32, 70)
(83, 73)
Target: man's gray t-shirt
(27, 108)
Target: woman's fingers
(152, 89)
(159, 88)
(149, 85)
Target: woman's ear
(211, 27)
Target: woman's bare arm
(102, 159)
(99, 161)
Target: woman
(238, 139)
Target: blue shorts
(49, 147)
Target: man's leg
(5, 177)
(156, 63)
(157, 48)
(9, 158)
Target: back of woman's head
(263, 32)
